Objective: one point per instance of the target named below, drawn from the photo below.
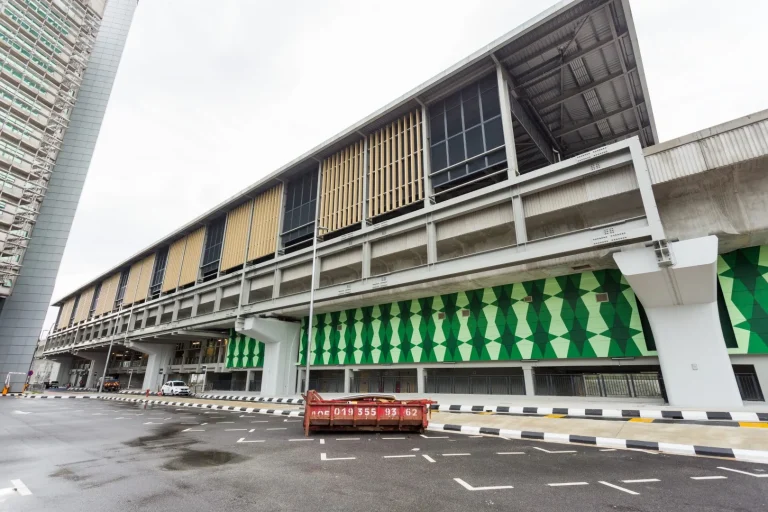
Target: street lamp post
(311, 304)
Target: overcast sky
(213, 95)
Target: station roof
(575, 68)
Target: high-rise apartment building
(58, 60)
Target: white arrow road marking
(743, 472)
(430, 459)
(193, 430)
(323, 457)
(622, 489)
(242, 440)
(714, 477)
(553, 451)
(491, 488)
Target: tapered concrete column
(98, 360)
(281, 348)
(347, 379)
(159, 357)
(420, 383)
(65, 365)
(530, 386)
(248, 374)
(681, 303)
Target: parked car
(175, 387)
(111, 385)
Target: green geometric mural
(552, 318)
(743, 276)
(244, 352)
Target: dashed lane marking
(713, 477)
(641, 481)
(324, 457)
(259, 421)
(743, 472)
(278, 428)
(234, 429)
(224, 422)
(510, 453)
(455, 454)
(475, 437)
(251, 430)
(242, 440)
(22, 489)
(346, 438)
(393, 438)
(302, 439)
(433, 437)
(608, 450)
(322, 441)
(622, 489)
(489, 488)
(398, 456)
(553, 451)
(430, 459)
(564, 484)
(152, 423)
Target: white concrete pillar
(159, 357)
(248, 374)
(530, 387)
(761, 370)
(281, 348)
(681, 303)
(420, 382)
(347, 379)
(98, 360)
(65, 365)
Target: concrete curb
(609, 442)
(249, 410)
(608, 413)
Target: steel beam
(581, 90)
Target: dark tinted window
(121, 288)
(471, 120)
(94, 301)
(161, 261)
(214, 237)
(299, 216)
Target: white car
(175, 387)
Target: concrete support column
(281, 348)
(421, 383)
(681, 303)
(175, 311)
(65, 365)
(347, 380)
(366, 260)
(431, 243)
(159, 357)
(98, 360)
(761, 370)
(248, 374)
(506, 123)
(276, 284)
(217, 298)
(530, 387)
(195, 304)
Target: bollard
(147, 394)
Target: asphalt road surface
(82, 455)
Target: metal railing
(477, 384)
(599, 384)
(749, 387)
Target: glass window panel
(437, 128)
(453, 100)
(440, 179)
(439, 157)
(456, 149)
(469, 92)
(453, 121)
(475, 141)
(458, 172)
(471, 112)
(477, 165)
(488, 81)
(497, 157)
(494, 134)
(490, 104)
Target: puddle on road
(165, 436)
(66, 474)
(196, 459)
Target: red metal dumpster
(374, 413)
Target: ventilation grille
(528, 298)
(601, 297)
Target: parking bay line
(713, 477)
(744, 472)
(641, 481)
(398, 456)
(553, 451)
(490, 488)
(392, 438)
(622, 489)
(242, 440)
(193, 430)
(302, 439)
(324, 457)
(345, 438)
(278, 428)
(455, 454)
(564, 484)
(510, 453)
(430, 459)
(233, 429)
(22, 489)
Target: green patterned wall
(743, 276)
(244, 352)
(551, 318)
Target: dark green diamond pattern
(244, 352)
(743, 276)
(553, 318)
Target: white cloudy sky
(212, 95)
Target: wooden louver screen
(66, 312)
(396, 176)
(84, 305)
(191, 264)
(142, 288)
(107, 295)
(130, 287)
(341, 198)
(236, 236)
(266, 213)
(173, 267)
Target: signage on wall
(161, 371)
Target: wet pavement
(75, 455)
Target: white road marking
(553, 451)
(225, 422)
(21, 412)
(21, 488)
(155, 418)
(193, 430)
(251, 430)
(291, 421)
(510, 453)
(152, 423)
(609, 450)
(278, 428)
(622, 489)
(430, 459)
(397, 456)
(346, 438)
(433, 437)
(233, 429)
(415, 449)
(203, 424)
(743, 472)
(470, 488)
(323, 457)
(242, 440)
(322, 441)
(260, 421)
(714, 477)
(121, 418)
(641, 481)
(302, 439)
(563, 484)
(455, 454)
(474, 437)
(391, 438)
